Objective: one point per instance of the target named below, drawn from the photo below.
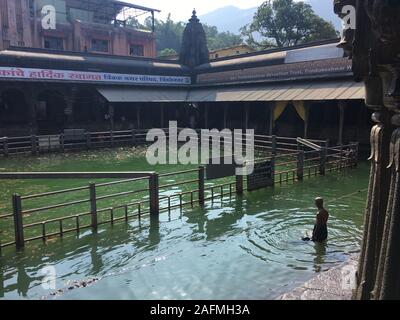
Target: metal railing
(143, 193)
(36, 144)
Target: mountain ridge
(231, 18)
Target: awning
(327, 90)
(144, 94)
(340, 90)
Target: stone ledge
(335, 284)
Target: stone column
(374, 46)
(306, 121)
(342, 107)
(111, 114)
(247, 115)
(271, 118)
(31, 101)
(225, 116)
(376, 206)
(206, 106)
(162, 122)
(138, 118)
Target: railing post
(299, 146)
(5, 146)
(324, 154)
(300, 165)
(341, 158)
(239, 184)
(274, 145)
(134, 137)
(154, 195)
(273, 163)
(34, 144)
(18, 221)
(88, 141)
(112, 138)
(356, 151)
(93, 205)
(201, 186)
(62, 142)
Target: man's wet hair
(319, 201)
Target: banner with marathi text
(83, 76)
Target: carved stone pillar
(387, 284)
(375, 49)
(376, 206)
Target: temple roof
(322, 60)
(38, 58)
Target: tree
(167, 52)
(218, 40)
(134, 23)
(168, 33)
(284, 23)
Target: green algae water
(236, 248)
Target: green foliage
(283, 23)
(219, 40)
(169, 35)
(167, 52)
(133, 22)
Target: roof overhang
(314, 91)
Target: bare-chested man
(320, 232)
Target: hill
(231, 18)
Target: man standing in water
(320, 232)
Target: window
(136, 50)
(21, 44)
(216, 56)
(53, 43)
(4, 13)
(6, 44)
(99, 45)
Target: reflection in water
(154, 232)
(23, 281)
(97, 261)
(320, 254)
(1, 284)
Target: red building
(101, 26)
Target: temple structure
(374, 46)
(303, 91)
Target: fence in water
(77, 139)
(139, 194)
(70, 140)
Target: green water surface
(236, 248)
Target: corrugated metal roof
(338, 90)
(332, 90)
(143, 94)
(329, 51)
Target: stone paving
(335, 284)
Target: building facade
(231, 51)
(101, 26)
(304, 91)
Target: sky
(181, 10)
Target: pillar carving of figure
(374, 47)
